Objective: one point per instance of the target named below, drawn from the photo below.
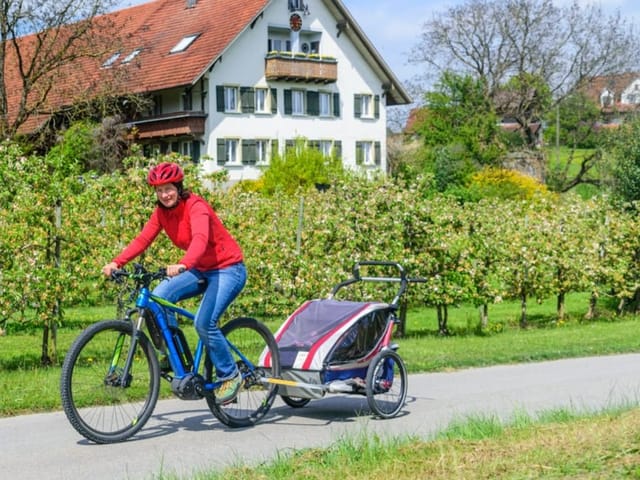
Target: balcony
(175, 124)
(300, 67)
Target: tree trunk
(523, 310)
(560, 306)
(591, 312)
(484, 315)
(45, 359)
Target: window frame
(231, 103)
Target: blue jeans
(221, 288)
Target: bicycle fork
(123, 378)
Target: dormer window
(131, 56)
(183, 44)
(111, 60)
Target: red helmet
(165, 172)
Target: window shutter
(313, 103)
(359, 154)
(220, 98)
(287, 102)
(357, 106)
(336, 104)
(274, 100)
(247, 100)
(195, 151)
(249, 154)
(274, 148)
(337, 149)
(376, 106)
(378, 153)
(222, 154)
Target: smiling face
(167, 194)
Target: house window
(230, 99)
(325, 146)
(297, 102)
(111, 60)
(325, 104)
(262, 96)
(368, 153)
(262, 151)
(228, 151)
(187, 100)
(183, 44)
(131, 56)
(185, 148)
(366, 106)
(255, 151)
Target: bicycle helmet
(165, 172)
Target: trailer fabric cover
(313, 329)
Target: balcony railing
(300, 67)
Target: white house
(235, 81)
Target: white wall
(243, 64)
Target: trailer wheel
(386, 384)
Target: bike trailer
(330, 342)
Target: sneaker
(228, 390)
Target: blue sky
(394, 26)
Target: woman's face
(167, 195)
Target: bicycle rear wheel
(101, 403)
(253, 340)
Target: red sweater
(192, 226)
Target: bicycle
(111, 374)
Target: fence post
(300, 220)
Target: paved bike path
(183, 437)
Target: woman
(211, 254)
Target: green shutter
(222, 154)
(378, 153)
(247, 99)
(313, 103)
(274, 100)
(220, 98)
(376, 106)
(337, 149)
(357, 106)
(336, 104)
(359, 154)
(249, 154)
(287, 102)
(274, 148)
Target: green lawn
(25, 386)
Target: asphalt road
(183, 437)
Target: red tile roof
(155, 27)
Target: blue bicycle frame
(157, 306)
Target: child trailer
(344, 346)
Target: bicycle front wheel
(253, 340)
(102, 403)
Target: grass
(559, 445)
(26, 386)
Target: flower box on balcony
(301, 67)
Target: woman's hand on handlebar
(109, 268)
(173, 270)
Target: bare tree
(519, 46)
(39, 41)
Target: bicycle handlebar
(141, 275)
